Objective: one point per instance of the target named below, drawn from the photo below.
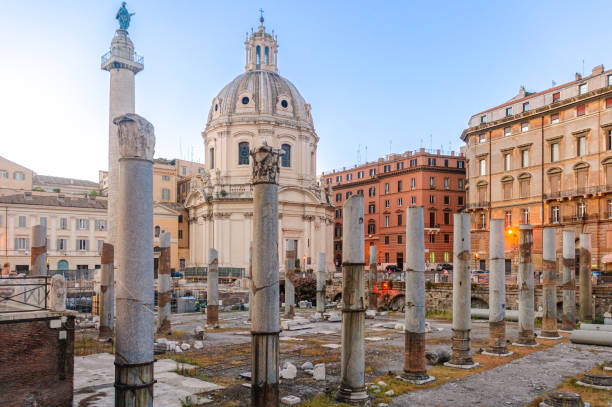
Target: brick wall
(36, 362)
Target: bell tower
(261, 50)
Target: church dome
(260, 91)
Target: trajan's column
(122, 63)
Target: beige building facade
(258, 106)
(546, 159)
(76, 228)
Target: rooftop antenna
(583, 67)
(430, 142)
(359, 154)
(554, 83)
(390, 143)
(366, 153)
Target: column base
(212, 316)
(456, 366)
(291, 312)
(165, 327)
(134, 384)
(526, 338)
(461, 353)
(352, 396)
(264, 365)
(552, 334)
(416, 379)
(105, 333)
(494, 353)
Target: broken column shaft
(164, 287)
(497, 289)
(586, 290)
(107, 292)
(134, 301)
(525, 286)
(568, 282)
(321, 283)
(462, 292)
(38, 255)
(549, 285)
(352, 384)
(265, 323)
(415, 363)
(290, 255)
(212, 292)
(372, 279)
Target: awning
(607, 258)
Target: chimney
(598, 70)
(578, 76)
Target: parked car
(444, 266)
(392, 268)
(480, 276)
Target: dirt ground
(513, 381)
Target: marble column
(250, 280)
(372, 279)
(568, 282)
(38, 252)
(164, 286)
(415, 364)
(586, 290)
(107, 292)
(461, 355)
(212, 293)
(123, 67)
(321, 283)
(525, 287)
(352, 373)
(135, 321)
(497, 289)
(290, 256)
(265, 323)
(549, 285)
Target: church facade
(258, 105)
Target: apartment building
(76, 228)
(432, 179)
(544, 158)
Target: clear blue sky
(374, 72)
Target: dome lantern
(261, 50)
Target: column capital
(136, 137)
(265, 164)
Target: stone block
(318, 373)
(55, 323)
(290, 400)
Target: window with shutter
(609, 174)
(524, 188)
(507, 190)
(555, 183)
(482, 194)
(581, 179)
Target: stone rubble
(289, 371)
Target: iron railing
(475, 205)
(130, 56)
(224, 272)
(24, 294)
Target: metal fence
(80, 286)
(23, 294)
(197, 273)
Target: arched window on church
(243, 153)
(258, 56)
(267, 56)
(286, 158)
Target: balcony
(581, 191)
(133, 56)
(477, 205)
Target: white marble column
(568, 282)
(107, 292)
(164, 286)
(135, 322)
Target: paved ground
(513, 384)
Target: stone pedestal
(134, 302)
(265, 322)
(58, 293)
(352, 384)
(212, 293)
(549, 285)
(525, 286)
(568, 282)
(107, 292)
(164, 286)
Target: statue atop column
(124, 17)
